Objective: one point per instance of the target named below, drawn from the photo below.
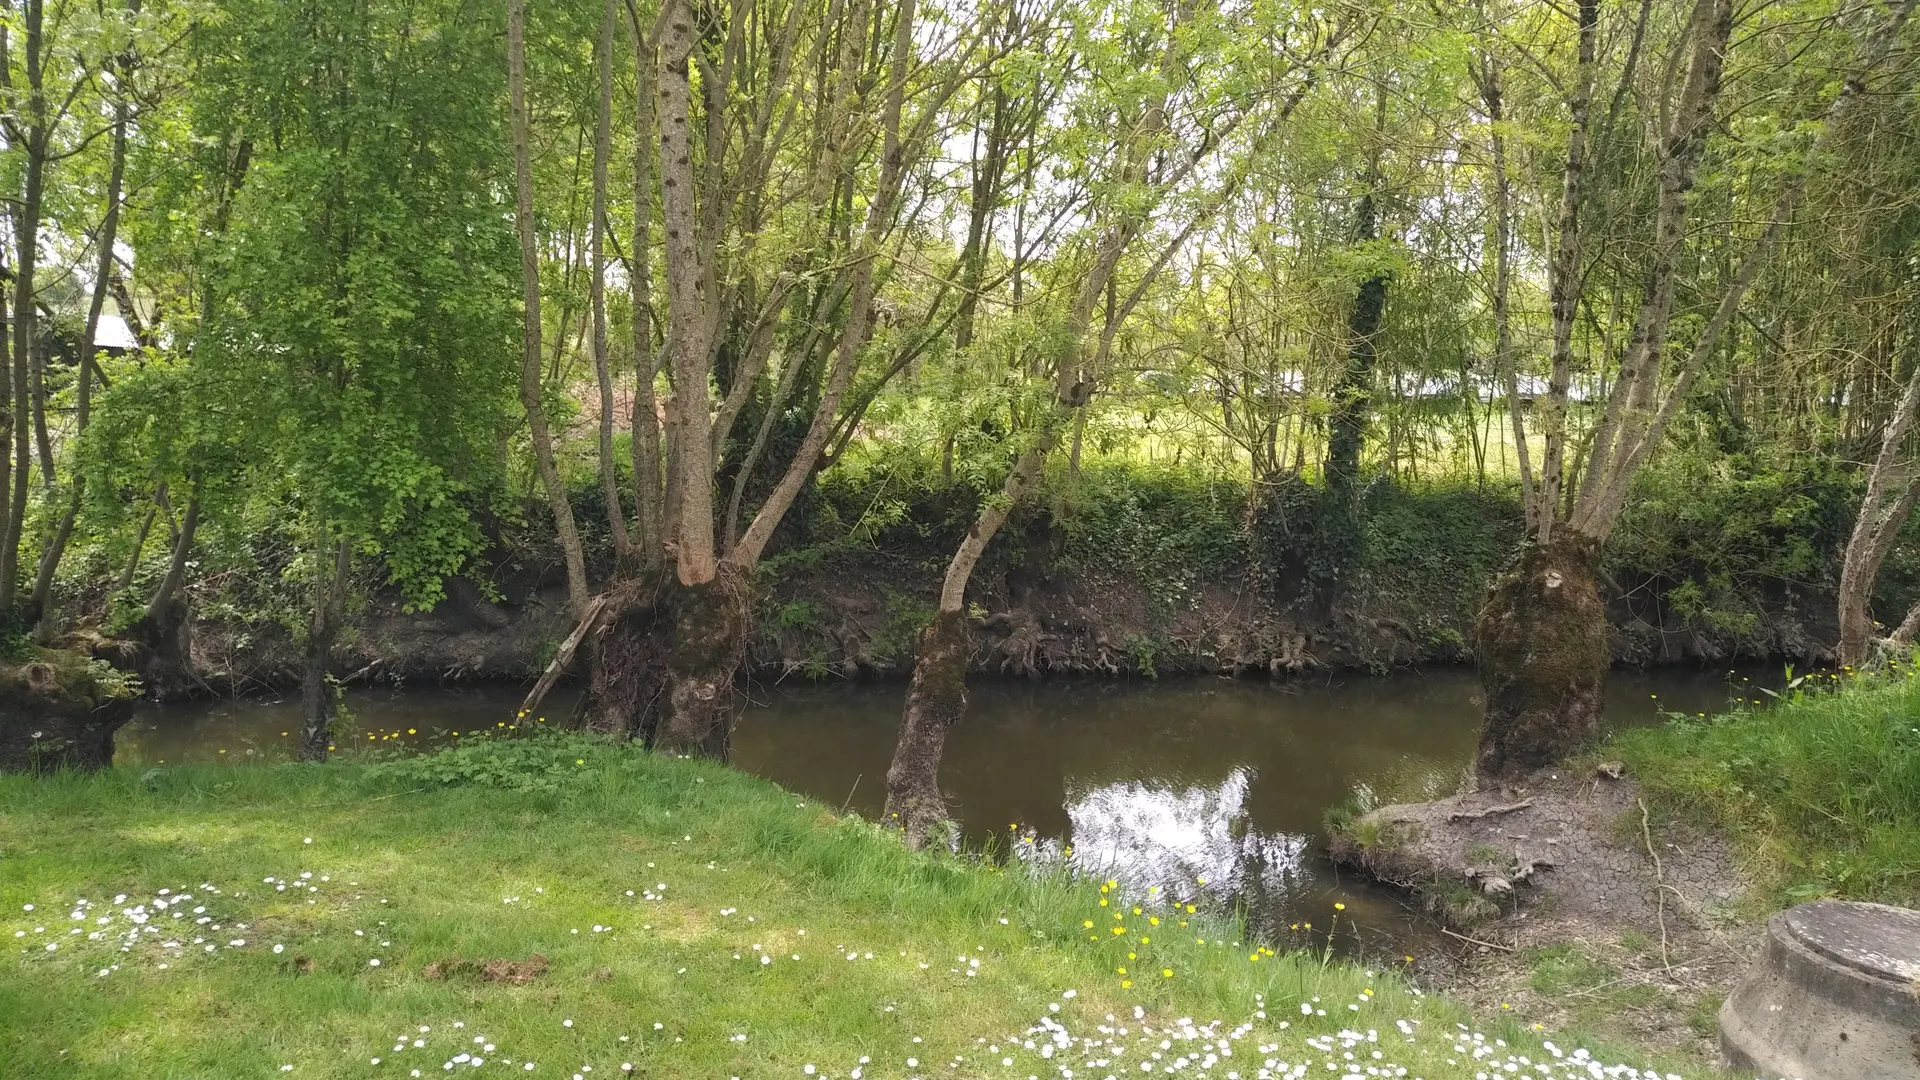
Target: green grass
(1821, 791)
(456, 856)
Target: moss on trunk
(1543, 650)
(160, 649)
(936, 701)
(59, 709)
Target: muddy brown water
(1197, 787)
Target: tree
(762, 245)
(1150, 166)
(352, 346)
(1892, 486)
(1542, 636)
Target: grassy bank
(1821, 790)
(548, 905)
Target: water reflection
(1183, 843)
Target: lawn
(566, 908)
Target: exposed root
(1475, 815)
(1660, 885)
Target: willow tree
(1542, 635)
(1171, 122)
(779, 176)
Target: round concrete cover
(1872, 938)
(1832, 996)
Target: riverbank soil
(58, 711)
(1571, 904)
(858, 615)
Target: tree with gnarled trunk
(1542, 634)
(665, 641)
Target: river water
(1197, 786)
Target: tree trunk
(597, 287)
(163, 632)
(316, 693)
(648, 495)
(936, 701)
(1353, 398)
(937, 695)
(1903, 635)
(125, 581)
(709, 627)
(1889, 499)
(1544, 654)
(690, 315)
(26, 234)
(531, 383)
(13, 477)
(103, 270)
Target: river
(1193, 785)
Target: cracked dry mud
(1569, 906)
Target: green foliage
(1143, 650)
(1822, 789)
(539, 759)
(348, 363)
(1437, 542)
(907, 616)
(1714, 535)
(796, 614)
(1166, 524)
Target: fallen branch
(1476, 815)
(563, 658)
(1477, 941)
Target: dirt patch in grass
(517, 972)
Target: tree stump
(1835, 996)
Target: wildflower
(1166, 973)
(1339, 906)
